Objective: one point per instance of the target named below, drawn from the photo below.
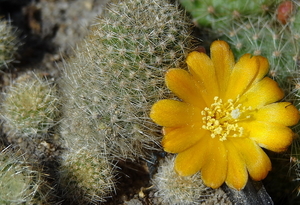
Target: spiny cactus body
(20, 184)
(213, 13)
(174, 189)
(30, 106)
(278, 43)
(109, 86)
(118, 73)
(86, 177)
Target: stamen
(222, 118)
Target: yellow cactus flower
(228, 113)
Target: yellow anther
(221, 118)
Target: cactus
(8, 43)
(86, 177)
(213, 13)
(19, 182)
(117, 73)
(109, 86)
(174, 189)
(30, 106)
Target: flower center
(221, 119)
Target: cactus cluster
(8, 43)
(114, 77)
(30, 105)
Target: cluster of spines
(30, 105)
(8, 43)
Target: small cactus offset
(30, 106)
(20, 184)
(8, 43)
(173, 189)
(86, 177)
(118, 72)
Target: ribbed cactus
(213, 13)
(8, 43)
(30, 105)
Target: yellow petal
(191, 160)
(257, 161)
(166, 130)
(242, 76)
(270, 135)
(263, 68)
(262, 93)
(202, 68)
(180, 139)
(183, 85)
(283, 113)
(214, 171)
(172, 113)
(223, 60)
(237, 175)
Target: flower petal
(262, 93)
(257, 161)
(214, 171)
(180, 139)
(237, 175)
(191, 160)
(223, 60)
(270, 135)
(172, 113)
(202, 68)
(283, 113)
(263, 68)
(242, 76)
(183, 85)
